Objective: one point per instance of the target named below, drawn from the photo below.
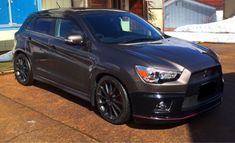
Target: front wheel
(23, 70)
(112, 100)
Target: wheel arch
(30, 79)
(17, 52)
(97, 79)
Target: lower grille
(207, 90)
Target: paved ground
(42, 113)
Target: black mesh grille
(205, 74)
(203, 85)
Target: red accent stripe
(166, 119)
(180, 118)
(214, 3)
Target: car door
(72, 62)
(42, 31)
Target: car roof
(75, 11)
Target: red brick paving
(42, 113)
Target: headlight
(153, 75)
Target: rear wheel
(112, 100)
(23, 70)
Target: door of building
(100, 3)
(14, 12)
(138, 7)
(21, 9)
(4, 12)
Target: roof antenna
(58, 4)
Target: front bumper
(146, 113)
(202, 94)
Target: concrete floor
(41, 113)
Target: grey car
(121, 64)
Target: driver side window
(66, 27)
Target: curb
(6, 72)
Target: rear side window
(65, 27)
(44, 25)
(28, 24)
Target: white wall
(80, 3)
(50, 4)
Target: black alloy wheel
(112, 100)
(23, 71)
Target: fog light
(163, 106)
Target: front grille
(203, 75)
(203, 85)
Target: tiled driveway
(42, 113)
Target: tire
(112, 100)
(23, 70)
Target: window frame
(30, 20)
(56, 29)
(52, 28)
(85, 18)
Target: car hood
(173, 53)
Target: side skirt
(74, 92)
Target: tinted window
(44, 25)
(120, 28)
(29, 25)
(66, 27)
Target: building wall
(50, 4)
(12, 15)
(80, 3)
(14, 12)
(229, 8)
(183, 13)
(136, 6)
(155, 13)
(4, 12)
(7, 40)
(100, 3)
(218, 4)
(93, 3)
(6, 45)
(157, 19)
(126, 5)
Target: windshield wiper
(139, 40)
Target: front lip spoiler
(166, 119)
(176, 118)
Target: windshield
(120, 27)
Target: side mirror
(74, 39)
